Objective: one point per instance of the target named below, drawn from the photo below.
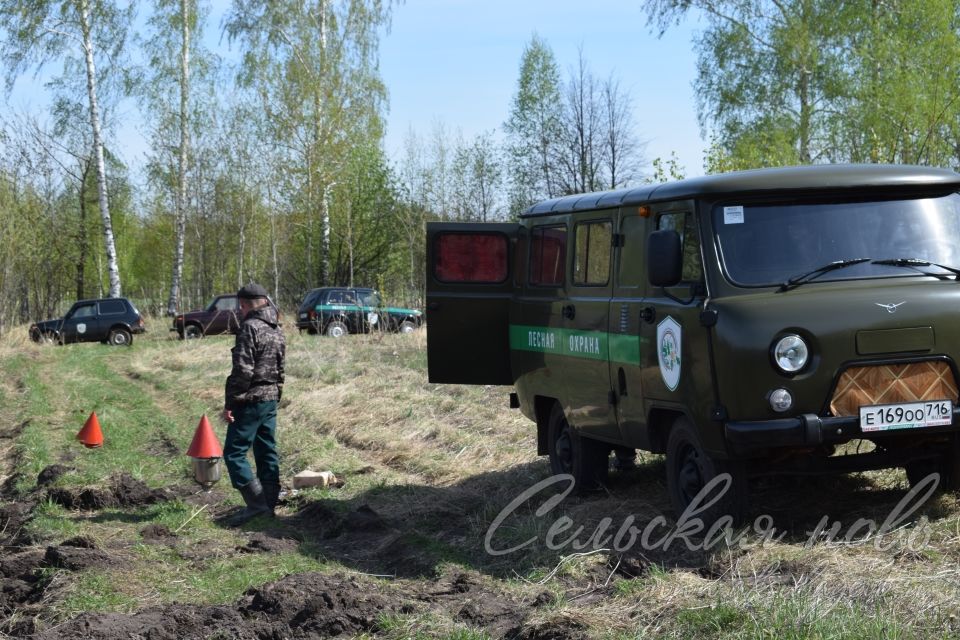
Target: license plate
(303, 316)
(906, 415)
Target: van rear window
(470, 257)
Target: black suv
(109, 320)
(337, 311)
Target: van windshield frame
(765, 243)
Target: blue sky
(457, 62)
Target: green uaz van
(746, 323)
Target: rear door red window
(471, 257)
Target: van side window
(591, 264)
(548, 255)
(683, 224)
(470, 257)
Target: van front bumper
(810, 430)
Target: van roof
(818, 177)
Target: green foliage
(903, 82)
(314, 68)
(666, 170)
(534, 126)
(812, 81)
(567, 137)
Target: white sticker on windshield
(733, 215)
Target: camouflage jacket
(257, 374)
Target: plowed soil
(306, 605)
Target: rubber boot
(253, 495)
(271, 493)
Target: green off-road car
(747, 323)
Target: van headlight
(791, 353)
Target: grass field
(398, 551)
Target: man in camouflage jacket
(253, 392)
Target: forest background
(272, 167)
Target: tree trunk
(82, 232)
(325, 221)
(112, 268)
(181, 207)
(241, 249)
(325, 211)
(350, 239)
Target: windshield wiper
(803, 278)
(916, 263)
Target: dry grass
(439, 462)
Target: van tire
(407, 327)
(337, 329)
(583, 458)
(192, 331)
(690, 468)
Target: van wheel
(120, 338)
(407, 327)
(192, 331)
(690, 469)
(337, 329)
(583, 458)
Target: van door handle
(569, 311)
(648, 314)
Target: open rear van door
(469, 287)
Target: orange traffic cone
(90, 435)
(205, 443)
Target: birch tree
(315, 65)
(43, 31)
(623, 152)
(534, 126)
(580, 154)
(478, 174)
(767, 74)
(167, 95)
(806, 81)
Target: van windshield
(767, 244)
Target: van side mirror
(664, 258)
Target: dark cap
(252, 291)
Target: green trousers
(254, 425)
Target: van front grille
(891, 383)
